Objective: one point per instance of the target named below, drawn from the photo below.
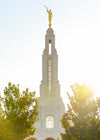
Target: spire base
(50, 25)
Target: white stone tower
(51, 107)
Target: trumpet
(46, 7)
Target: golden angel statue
(49, 16)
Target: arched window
(50, 139)
(49, 122)
(32, 139)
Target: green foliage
(81, 121)
(18, 113)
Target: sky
(23, 25)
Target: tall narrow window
(49, 122)
(49, 48)
(49, 76)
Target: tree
(81, 119)
(5, 131)
(19, 112)
(98, 104)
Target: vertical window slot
(49, 48)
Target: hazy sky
(23, 25)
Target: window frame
(50, 123)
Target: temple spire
(51, 107)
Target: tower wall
(51, 107)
